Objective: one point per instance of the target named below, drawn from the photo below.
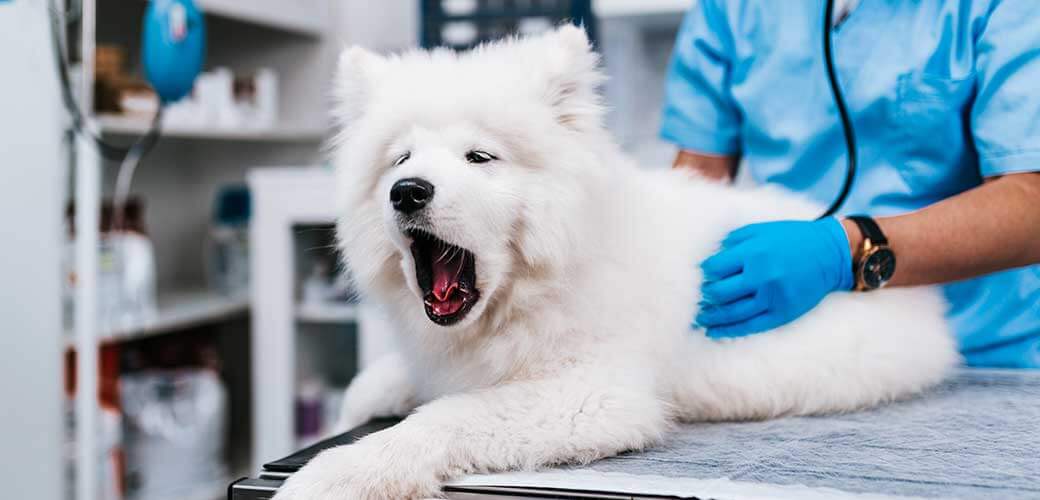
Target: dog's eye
(401, 159)
(479, 157)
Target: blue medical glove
(769, 274)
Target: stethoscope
(843, 113)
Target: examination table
(975, 436)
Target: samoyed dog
(542, 286)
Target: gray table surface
(975, 436)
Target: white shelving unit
(283, 198)
(178, 179)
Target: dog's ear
(359, 70)
(573, 77)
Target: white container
(266, 86)
(176, 423)
(220, 98)
(126, 280)
(228, 259)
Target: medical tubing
(128, 166)
(843, 112)
(128, 158)
(124, 177)
(109, 151)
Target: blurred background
(216, 325)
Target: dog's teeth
(445, 253)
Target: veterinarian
(945, 100)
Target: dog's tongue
(445, 281)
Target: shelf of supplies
(133, 126)
(326, 313)
(177, 311)
(633, 8)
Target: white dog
(543, 287)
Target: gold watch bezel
(868, 249)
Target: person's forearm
(714, 167)
(991, 228)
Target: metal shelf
(178, 310)
(132, 126)
(327, 313)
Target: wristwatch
(875, 263)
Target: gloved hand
(769, 274)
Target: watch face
(878, 268)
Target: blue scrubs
(943, 94)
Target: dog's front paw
(361, 472)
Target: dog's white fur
(580, 346)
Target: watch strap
(870, 229)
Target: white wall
(385, 26)
(635, 54)
(31, 200)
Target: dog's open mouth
(447, 276)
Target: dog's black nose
(409, 195)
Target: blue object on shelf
(173, 47)
(233, 206)
(461, 24)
